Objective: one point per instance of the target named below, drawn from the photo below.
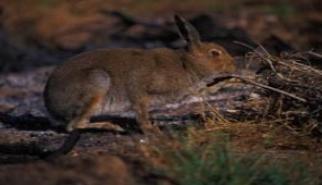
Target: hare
(112, 80)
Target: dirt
(107, 158)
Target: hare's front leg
(141, 106)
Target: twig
(314, 54)
(268, 56)
(300, 67)
(272, 89)
(270, 63)
(219, 78)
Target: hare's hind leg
(93, 94)
(82, 121)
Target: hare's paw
(96, 125)
(104, 126)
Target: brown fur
(112, 80)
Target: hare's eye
(215, 52)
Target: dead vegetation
(298, 107)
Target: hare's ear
(187, 32)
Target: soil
(109, 158)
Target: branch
(220, 78)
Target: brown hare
(115, 80)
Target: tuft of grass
(200, 158)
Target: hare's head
(205, 57)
